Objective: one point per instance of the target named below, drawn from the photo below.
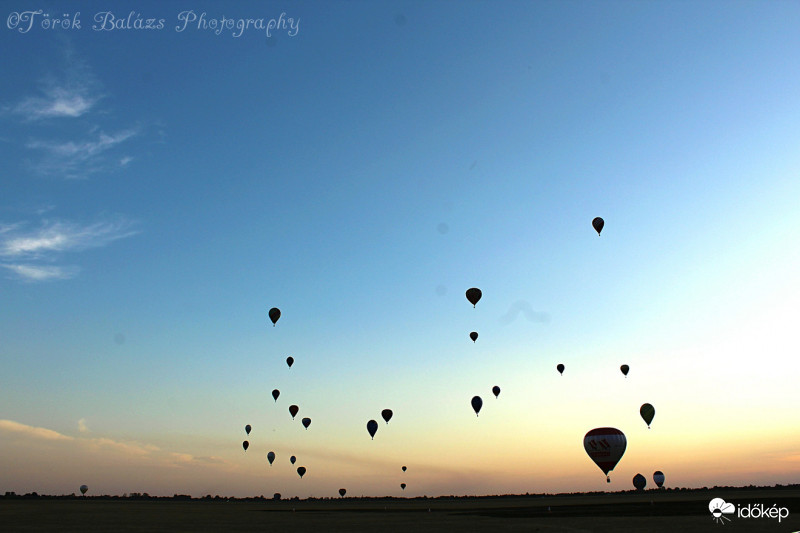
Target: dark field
(651, 511)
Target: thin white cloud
(82, 427)
(58, 101)
(73, 159)
(62, 237)
(31, 431)
(41, 273)
(130, 448)
(125, 160)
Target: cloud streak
(41, 273)
(32, 431)
(79, 159)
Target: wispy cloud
(32, 431)
(73, 159)
(62, 237)
(41, 273)
(20, 245)
(129, 448)
(82, 427)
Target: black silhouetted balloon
(245, 445)
(477, 403)
(473, 295)
(496, 391)
(403, 486)
(598, 224)
(84, 488)
(290, 361)
(639, 482)
(372, 427)
(658, 477)
(624, 369)
(275, 394)
(247, 429)
(342, 492)
(473, 336)
(560, 368)
(271, 457)
(387, 415)
(306, 422)
(648, 412)
(293, 410)
(404, 469)
(274, 315)
(292, 459)
(301, 470)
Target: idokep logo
(719, 508)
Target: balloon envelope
(293, 409)
(496, 391)
(560, 368)
(598, 224)
(306, 422)
(84, 488)
(245, 445)
(342, 492)
(301, 470)
(403, 486)
(639, 482)
(658, 478)
(275, 394)
(473, 336)
(372, 427)
(271, 457)
(290, 361)
(292, 459)
(605, 447)
(624, 369)
(648, 412)
(473, 295)
(404, 469)
(274, 315)
(387, 415)
(477, 403)
(247, 429)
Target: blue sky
(161, 190)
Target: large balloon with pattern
(474, 295)
(274, 315)
(658, 478)
(605, 447)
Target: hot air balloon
(245, 445)
(403, 486)
(271, 457)
(301, 470)
(275, 394)
(639, 482)
(306, 422)
(290, 361)
(648, 412)
(404, 469)
(598, 224)
(658, 477)
(342, 492)
(605, 447)
(560, 368)
(84, 488)
(477, 403)
(292, 459)
(473, 336)
(387, 415)
(274, 315)
(496, 391)
(473, 295)
(372, 427)
(293, 410)
(247, 429)
(624, 369)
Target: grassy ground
(668, 512)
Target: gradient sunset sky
(360, 168)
